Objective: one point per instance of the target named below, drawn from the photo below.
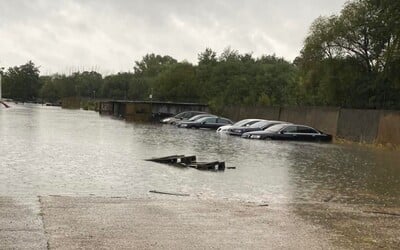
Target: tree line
(348, 60)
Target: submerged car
(291, 132)
(258, 126)
(241, 123)
(206, 122)
(194, 118)
(181, 116)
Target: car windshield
(181, 115)
(259, 124)
(246, 122)
(203, 119)
(197, 117)
(241, 123)
(224, 121)
(275, 128)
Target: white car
(241, 123)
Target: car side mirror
(203, 122)
(282, 132)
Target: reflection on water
(47, 150)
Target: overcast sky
(109, 35)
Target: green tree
(362, 41)
(22, 82)
(177, 82)
(117, 86)
(49, 90)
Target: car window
(290, 129)
(197, 117)
(269, 125)
(224, 121)
(306, 130)
(187, 115)
(191, 114)
(275, 128)
(181, 115)
(210, 120)
(241, 123)
(259, 124)
(250, 123)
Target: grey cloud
(111, 35)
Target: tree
(49, 90)
(365, 38)
(117, 86)
(22, 82)
(177, 82)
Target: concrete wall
(358, 125)
(267, 113)
(231, 112)
(237, 113)
(293, 114)
(323, 118)
(176, 109)
(389, 128)
(138, 112)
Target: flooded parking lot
(50, 152)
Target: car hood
(244, 129)
(167, 119)
(224, 128)
(261, 133)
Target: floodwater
(51, 151)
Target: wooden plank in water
(215, 165)
(188, 159)
(167, 159)
(168, 193)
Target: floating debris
(382, 212)
(167, 193)
(190, 161)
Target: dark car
(206, 122)
(258, 126)
(291, 132)
(241, 123)
(194, 118)
(181, 116)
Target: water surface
(51, 151)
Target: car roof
(213, 116)
(206, 117)
(262, 123)
(285, 125)
(203, 115)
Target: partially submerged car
(291, 132)
(206, 122)
(258, 126)
(181, 116)
(241, 123)
(194, 118)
